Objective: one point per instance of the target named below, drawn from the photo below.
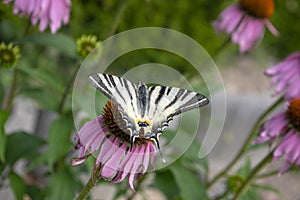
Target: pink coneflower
(245, 22)
(284, 127)
(115, 158)
(286, 76)
(47, 12)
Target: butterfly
(146, 111)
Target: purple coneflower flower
(285, 127)
(47, 12)
(286, 76)
(115, 157)
(245, 22)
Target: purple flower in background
(47, 12)
(245, 22)
(115, 159)
(285, 127)
(286, 76)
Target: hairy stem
(246, 143)
(86, 190)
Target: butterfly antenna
(158, 146)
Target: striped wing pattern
(167, 102)
(157, 103)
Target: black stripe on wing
(98, 83)
(196, 100)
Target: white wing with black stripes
(147, 111)
(119, 90)
(166, 102)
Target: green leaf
(18, 185)
(250, 194)
(3, 138)
(266, 188)
(59, 138)
(61, 185)
(191, 156)
(189, 184)
(43, 76)
(35, 192)
(245, 169)
(22, 145)
(165, 182)
(59, 41)
(44, 98)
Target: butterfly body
(145, 111)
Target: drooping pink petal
(47, 12)
(245, 30)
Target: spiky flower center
(258, 8)
(9, 55)
(86, 44)
(294, 113)
(117, 125)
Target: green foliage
(60, 41)
(61, 185)
(59, 143)
(43, 77)
(3, 138)
(165, 182)
(17, 148)
(195, 189)
(1, 93)
(18, 185)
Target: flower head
(115, 158)
(286, 76)
(86, 44)
(46, 12)
(245, 22)
(9, 55)
(285, 127)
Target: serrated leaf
(165, 182)
(189, 184)
(59, 138)
(60, 41)
(61, 185)
(3, 138)
(44, 98)
(22, 145)
(18, 185)
(43, 76)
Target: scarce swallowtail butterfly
(145, 111)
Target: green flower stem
(9, 102)
(86, 190)
(67, 89)
(252, 175)
(246, 143)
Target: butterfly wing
(120, 91)
(166, 102)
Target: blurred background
(36, 168)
